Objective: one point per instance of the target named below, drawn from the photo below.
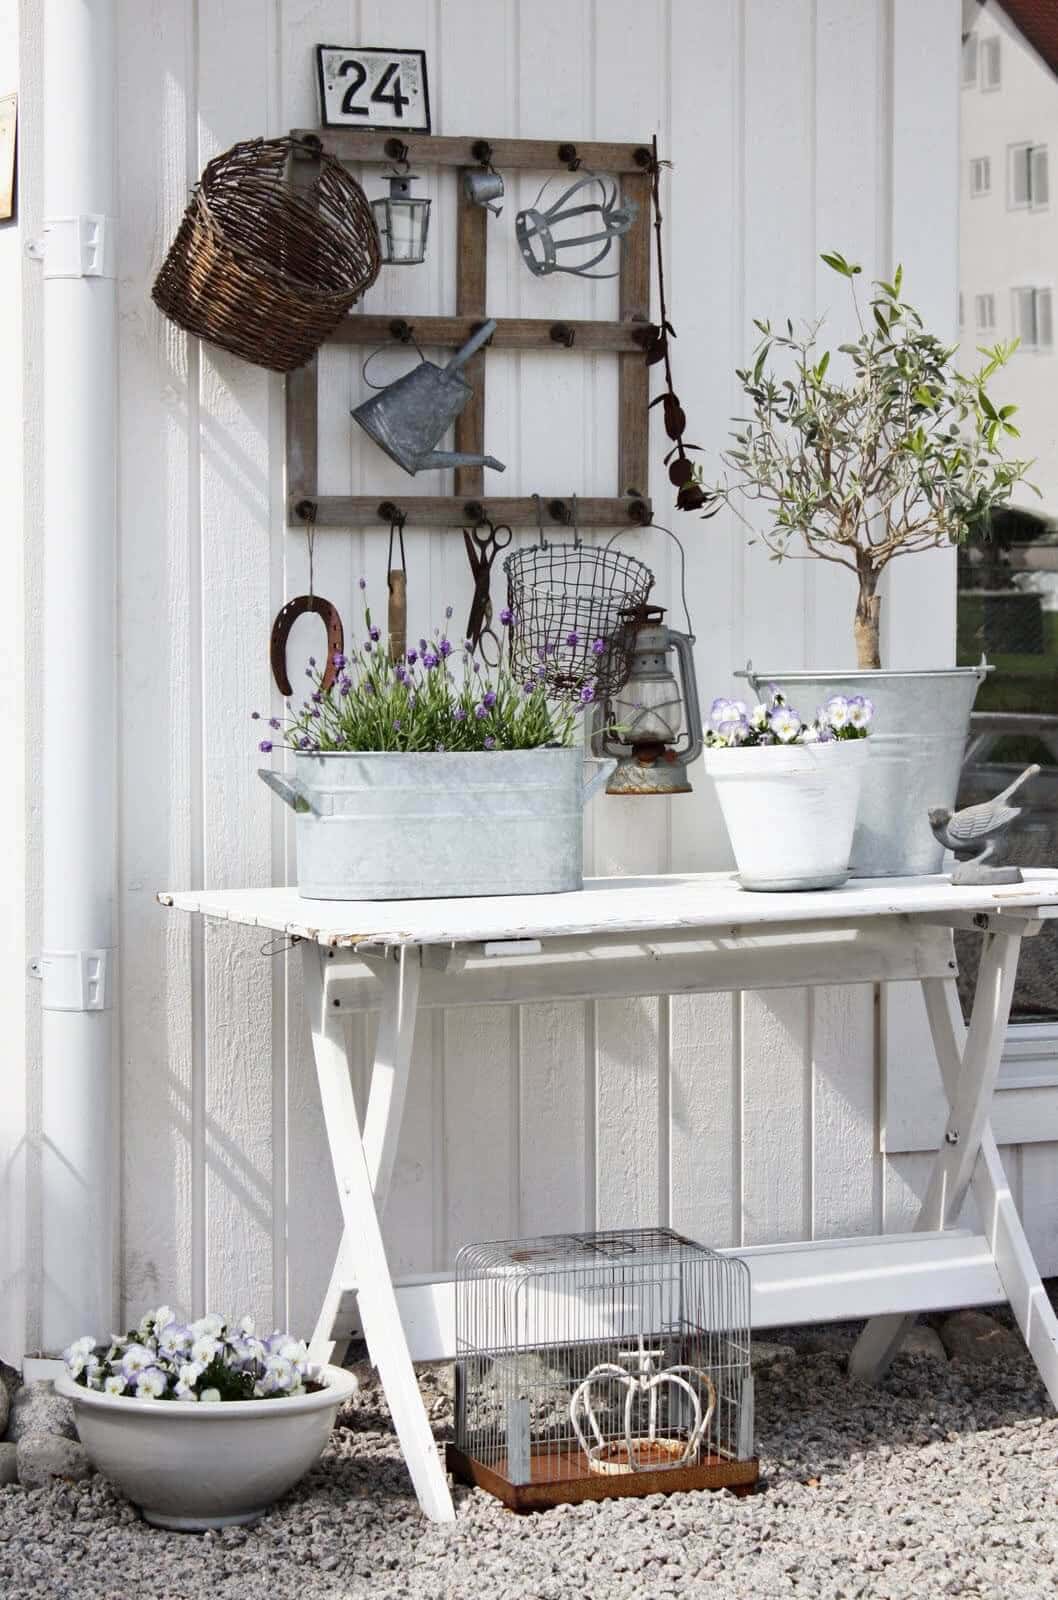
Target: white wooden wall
(795, 126)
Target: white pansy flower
(279, 1370)
(204, 1349)
(758, 717)
(163, 1316)
(115, 1384)
(184, 1392)
(294, 1350)
(246, 1326)
(174, 1339)
(151, 1384)
(837, 711)
(190, 1372)
(136, 1358)
(210, 1396)
(210, 1325)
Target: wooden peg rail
(626, 339)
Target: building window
(981, 175)
(1029, 180)
(969, 61)
(990, 62)
(1033, 321)
(985, 312)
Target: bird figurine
(974, 833)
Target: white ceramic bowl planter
(192, 1467)
(790, 811)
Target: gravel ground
(942, 1482)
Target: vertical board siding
(737, 1118)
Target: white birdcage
(598, 1364)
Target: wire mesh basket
(597, 1364)
(262, 270)
(567, 604)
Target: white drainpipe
(79, 679)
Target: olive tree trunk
(865, 624)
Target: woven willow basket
(262, 269)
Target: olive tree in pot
(899, 454)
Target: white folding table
(666, 935)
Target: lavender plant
(904, 454)
(202, 1361)
(775, 722)
(438, 697)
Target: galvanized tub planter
(391, 825)
(918, 739)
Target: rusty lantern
(653, 725)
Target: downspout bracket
(74, 980)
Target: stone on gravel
(924, 1341)
(36, 1408)
(8, 1464)
(764, 1355)
(43, 1456)
(972, 1336)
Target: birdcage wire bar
(568, 605)
(594, 1364)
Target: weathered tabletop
(707, 900)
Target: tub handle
(605, 767)
(288, 789)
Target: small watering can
(408, 416)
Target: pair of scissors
(482, 549)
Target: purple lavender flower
(315, 711)
(397, 724)
(339, 660)
(587, 694)
(598, 647)
(448, 612)
(368, 647)
(490, 743)
(312, 661)
(489, 699)
(573, 638)
(255, 716)
(374, 632)
(423, 646)
(274, 722)
(477, 666)
(304, 743)
(445, 648)
(459, 714)
(430, 660)
(439, 747)
(507, 616)
(412, 657)
(317, 696)
(363, 583)
(529, 688)
(480, 712)
(265, 746)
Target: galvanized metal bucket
(383, 825)
(917, 743)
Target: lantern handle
(683, 569)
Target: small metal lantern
(590, 1365)
(656, 720)
(403, 221)
(600, 220)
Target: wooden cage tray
(562, 1478)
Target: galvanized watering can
(418, 825)
(408, 416)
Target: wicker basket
(262, 269)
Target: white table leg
(364, 1249)
(969, 1064)
(382, 1119)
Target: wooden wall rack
(627, 338)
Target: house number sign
(365, 87)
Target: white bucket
(790, 810)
